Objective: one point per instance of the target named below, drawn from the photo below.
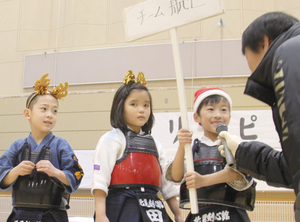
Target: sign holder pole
(184, 117)
(152, 16)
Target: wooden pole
(184, 117)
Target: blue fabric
(122, 205)
(35, 215)
(214, 213)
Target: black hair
(271, 24)
(211, 100)
(117, 108)
(34, 100)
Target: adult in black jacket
(271, 44)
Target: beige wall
(39, 26)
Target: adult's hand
(232, 142)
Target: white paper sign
(153, 16)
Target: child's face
(210, 115)
(43, 115)
(137, 109)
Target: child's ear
(197, 118)
(26, 113)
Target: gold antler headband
(130, 78)
(41, 88)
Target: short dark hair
(117, 108)
(211, 100)
(271, 24)
(33, 100)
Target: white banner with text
(250, 125)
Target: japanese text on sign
(153, 16)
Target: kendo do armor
(38, 190)
(139, 166)
(208, 160)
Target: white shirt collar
(207, 141)
(141, 131)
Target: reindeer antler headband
(130, 78)
(41, 88)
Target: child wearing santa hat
(223, 193)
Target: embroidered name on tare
(213, 216)
(151, 203)
(96, 167)
(26, 221)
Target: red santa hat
(201, 94)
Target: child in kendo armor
(41, 169)
(128, 162)
(223, 193)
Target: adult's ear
(26, 113)
(267, 43)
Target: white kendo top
(109, 149)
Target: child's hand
(184, 137)
(25, 168)
(101, 218)
(194, 180)
(179, 218)
(46, 167)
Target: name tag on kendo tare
(152, 209)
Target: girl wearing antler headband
(41, 169)
(128, 161)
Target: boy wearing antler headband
(41, 169)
